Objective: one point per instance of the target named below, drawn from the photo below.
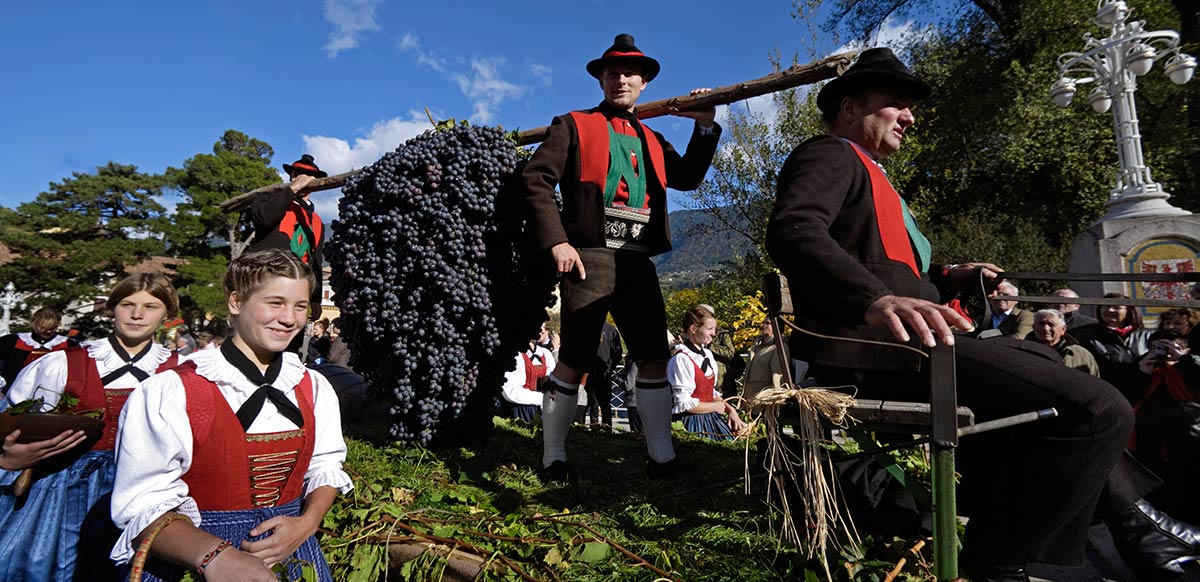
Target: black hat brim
(831, 94)
(288, 168)
(648, 65)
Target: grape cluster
(438, 281)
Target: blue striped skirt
(526, 412)
(235, 527)
(709, 425)
(40, 533)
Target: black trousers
(1031, 491)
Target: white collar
(212, 365)
(101, 351)
(28, 338)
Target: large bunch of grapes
(438, 283)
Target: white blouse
(514, 389)
(681, 373)
(46, 377)
(154, 447)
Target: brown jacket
(581, 221)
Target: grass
(612, 524)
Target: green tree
(200, 232)
(73, 240)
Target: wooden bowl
(37, 426)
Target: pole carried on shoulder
(794, 76)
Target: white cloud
(336, 155)
(542, 72)
(431, 60)
(763, 106)
(890, 34)
(486, 89)
(408, 42)
(350, 19)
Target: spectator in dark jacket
(1075, 318)
(1117, 341)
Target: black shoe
(979, 568)
(673, 469)
(1153, 544)
(557, 472)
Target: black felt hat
(877, 67)
(623, 51)
(305, 165)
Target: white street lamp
(1113, 64)
(8, 300)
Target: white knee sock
(558, 410)
(654, 406)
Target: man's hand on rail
(929, 321)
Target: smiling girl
(234, 458)
(692, 372)
(40, 536)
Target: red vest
(36, 352)
(593, 150)
(290, 226)
(533, 372)
(83, 382)
(888, 214)
(704, 385)
(232, 470)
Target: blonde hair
(156, 284)
(250, 272)
(46, 317)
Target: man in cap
(288, 220)
(613, 173)
(839, 224)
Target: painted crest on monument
(1165, 256)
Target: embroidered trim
(625, 228)
(268, 474)
(271, 437)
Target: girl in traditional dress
(230, 461)
(522, 397)
(40, 535)
(692, 372)
(18, 350)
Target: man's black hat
(623, 51)
(877, 67)
(305, 165)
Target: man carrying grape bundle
(613, 174)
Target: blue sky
(153, 83)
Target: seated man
(1050, 328)
(1007, 319)
(840, 224)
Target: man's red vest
(593, 149)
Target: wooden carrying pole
(794, 76)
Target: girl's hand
(15, 456)
(287, 533)
(735, 422)
(233, 564)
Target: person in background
(339, 351)
(61, 530)
(320, 342)
(1117, 341)
(1050, 328)
(763, 369)
(600, 379)
(18, 350)
(522, 386)
(1007, 319)
(1167, 435)
(233, 459)
(692, 372)
(185, 344)
(1075, 318)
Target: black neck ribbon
(249, 411)
(688, 344)
(129, 367)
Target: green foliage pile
(613, 524)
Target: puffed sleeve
(681, 373)
(329, 449)
(45, 378)
(154, 450)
